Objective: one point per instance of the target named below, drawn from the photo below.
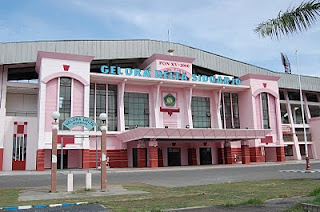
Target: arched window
(265, 111)
(64, 99)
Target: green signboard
(79, 121)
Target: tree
(292, 21)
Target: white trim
(72, 96)
(58, 96)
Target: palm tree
(290, 22)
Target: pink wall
(258, 112)
(273, 116)
(51, 102)
(315, 126)
(78, 97)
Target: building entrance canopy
(204, 134)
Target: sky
(221, 27)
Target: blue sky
(222, 27)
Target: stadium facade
(188, 108)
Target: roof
(198, 133)
(25, 52)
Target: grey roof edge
(24, 52)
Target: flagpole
(302, 111)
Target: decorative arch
(266, 90)
(65, 74)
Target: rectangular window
(294, 95)
(235, 108)
(284, 114)
(314, 111)
(201, 117)
(64, 100)
(227, 108)
(136, 110)
(265, 110)
(297, 114)
(92, 101)
(100, 100)
(281, 95)
(288, 151)
(222, 112)
(112, 108)
(312, 97)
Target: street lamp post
(302, 111)
(103, 118)
(55, 127)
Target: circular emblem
(169, 100)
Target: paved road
(174, 177)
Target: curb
(45, 206)
(300, 171)
(310, 207)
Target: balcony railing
(300, 135)
(22, 113)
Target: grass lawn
(160, 198)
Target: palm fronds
(290, 22)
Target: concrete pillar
(54, 158)
(88, 181)
(245, 152)
(280, 154)
(1, 158)
(227, 153)
(40, 160)
(70, 183)
(103, 157)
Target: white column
(279, 124)
(218, 102)
(157, 105)
(70, 183)
(42, 114)
(296, 150)
(188, 94)
(121, 122)
(86, 102)
(3, 86)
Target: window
(281, 95)
(288, 151)
(265, 110)
(229, 110)
(64, 100)
(284, 114)
(294, 95)
(136, 110)
(97, 101)
(302, 149)
(201, 117)
(312, 97)
(112, 108)
(314, 111)
(235, 108)
(297, 114)
(101, 100)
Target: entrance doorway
(192, 156)
(174, 157)
(143, 160)
(205, 156)
(19, 152)
(65, 160)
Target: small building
(191, 107)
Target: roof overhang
(199, 133)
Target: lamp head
(103, 117)
(55, 115)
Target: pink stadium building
(190, 108)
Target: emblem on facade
(169, 100)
